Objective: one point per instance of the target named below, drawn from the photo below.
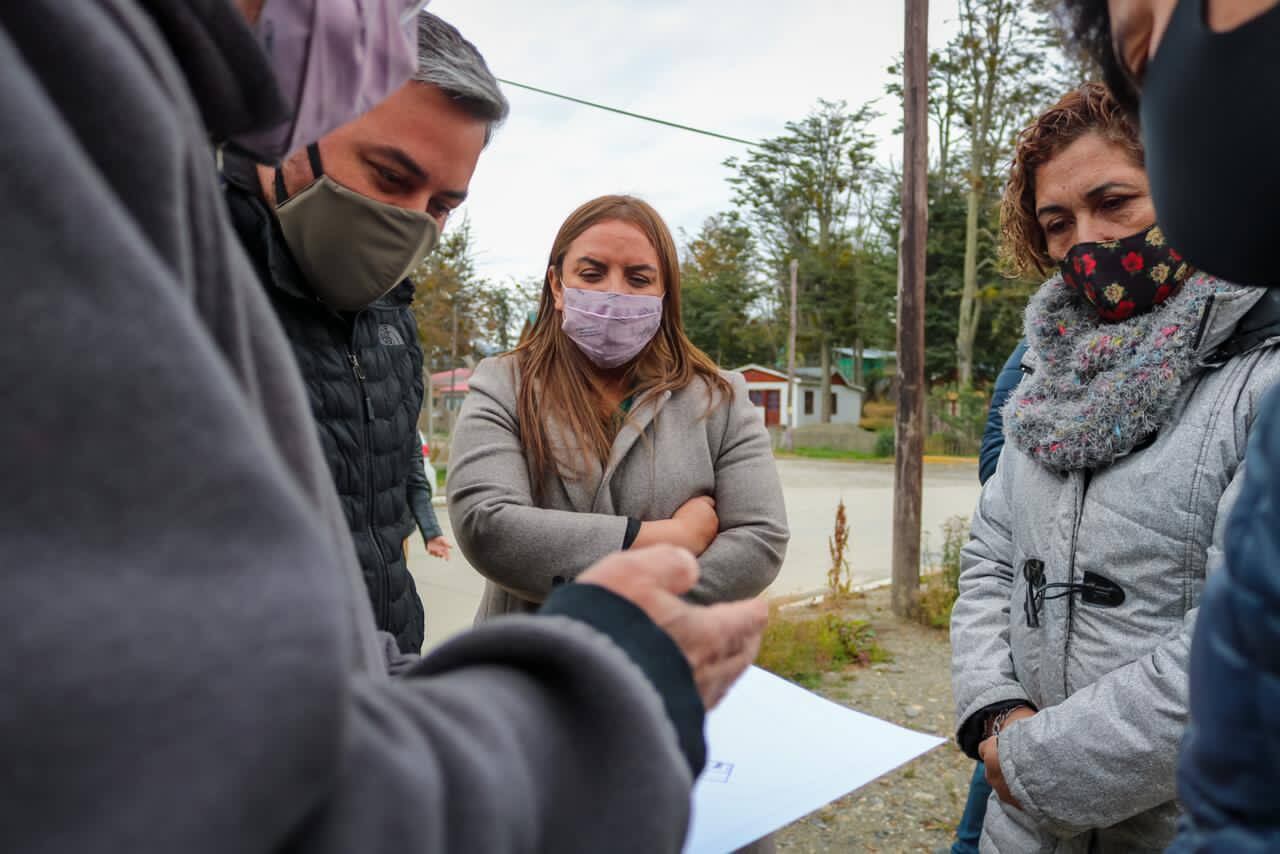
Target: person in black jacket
(1204, 75)
(420, 491)
(333, 233)
(993, 433)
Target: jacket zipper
(1085, 477)
(383, 605)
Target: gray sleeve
(440, 760)
(748, 551)
(982, 672)
(510, 541)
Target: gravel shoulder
(915, 808)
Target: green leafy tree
(723, 294)
(800, 193)
(1002, 52)
(449, 290)
(502, 308)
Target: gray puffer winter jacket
(1094, 768)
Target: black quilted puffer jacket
(363, 374)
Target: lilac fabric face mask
(610, 329)
(333, 60)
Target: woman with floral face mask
(1091, 543)
(606, 429)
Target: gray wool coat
(668, 451)
(1094, 769)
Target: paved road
(813, 488)
(451, 591)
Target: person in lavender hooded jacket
(607, 429)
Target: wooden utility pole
(788, 438)
(430, 403)
(908, 463)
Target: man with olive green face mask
(334, 231)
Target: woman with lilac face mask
(607, 428)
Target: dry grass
(940, 589)
(839, 576)
(802, 648)
(877, 415)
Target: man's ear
(298, 175)
(251, 9)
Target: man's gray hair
(451, 63)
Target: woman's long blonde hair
(556, 378)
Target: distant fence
(841, 437)
(847, 437)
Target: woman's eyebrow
(1102, 189)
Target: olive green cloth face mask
(351, 249)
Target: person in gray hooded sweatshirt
(191, 662)
(1091, 544)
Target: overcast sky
(737, 67)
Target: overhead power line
(645, 118)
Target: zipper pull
(358, 370)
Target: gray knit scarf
(1102, 389)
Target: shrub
(802, 649)
(957, 418)
(877, 415)
(941, 588)
(885, 443)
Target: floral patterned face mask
(1125, 277)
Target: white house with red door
(768, 390)
(449, 389)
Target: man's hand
(719, 641)
(989, 752)
(439, 547)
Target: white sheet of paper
(777, 752)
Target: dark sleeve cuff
(633, 531)
(988, 459)
(652, 650)
(970, 735)
(430, 529)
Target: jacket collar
(1221, 316)
(586, 492)
(1235, 322)
(642, 414)
(258, 227)
(225, 69)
